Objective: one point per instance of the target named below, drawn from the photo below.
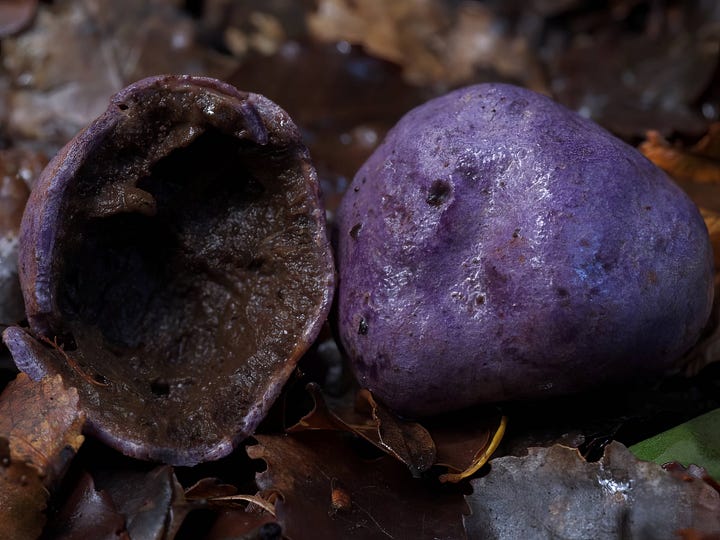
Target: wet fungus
(175, 263)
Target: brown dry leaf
(683, 165)
(435, 42)
(406, 441)
(77, 54)
(402, 31)
(464, 443)
(43, 423)
(712, 221)
(709, 145)
(22, 500)
(553, 492)
(18, 170)
(328, 491)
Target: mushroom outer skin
(498, 246)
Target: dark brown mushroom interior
(188, 268)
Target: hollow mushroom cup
(498, 246)
(175, 265)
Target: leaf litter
(554, 492)
(47, 94)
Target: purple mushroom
(175, 265)
(498, 246)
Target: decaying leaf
(43, 423)
(78, 53)
(460, 442)
(691, 472)
(22, 500)
(378, 500)
(695, 442)
(17, 170)
(554, 493)
(241, 525)
(408, 442)
(465, 444)
(712, 221)
(433, 41)
(152, 502)
(87, 514)
(208, 489)
(685, 165)
(630, 82)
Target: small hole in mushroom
(355, 230)
(438, 193)
(160, 387)
(123, 106)
(363, 327)
(256, 263)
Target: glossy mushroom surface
(177, 249)
(498, 246)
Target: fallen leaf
(631, 82)
(683, 165)
(398, 31)
(406, 441)
(465, 443)
(435, 42)
(712, 221)
(63, 69)
(43, 423)
(693, 534)
(152, 502)
(709, 144)
(695, 442)
(23, 499)
(691, 472)
(553, 492)
(40, 426)
(241, 525)
(87, 514)
(19, 169)
(209, 488)
(381, 499)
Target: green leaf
(696, 441)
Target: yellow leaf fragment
(481, 458)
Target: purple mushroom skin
(498, 246)
(180, 240)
